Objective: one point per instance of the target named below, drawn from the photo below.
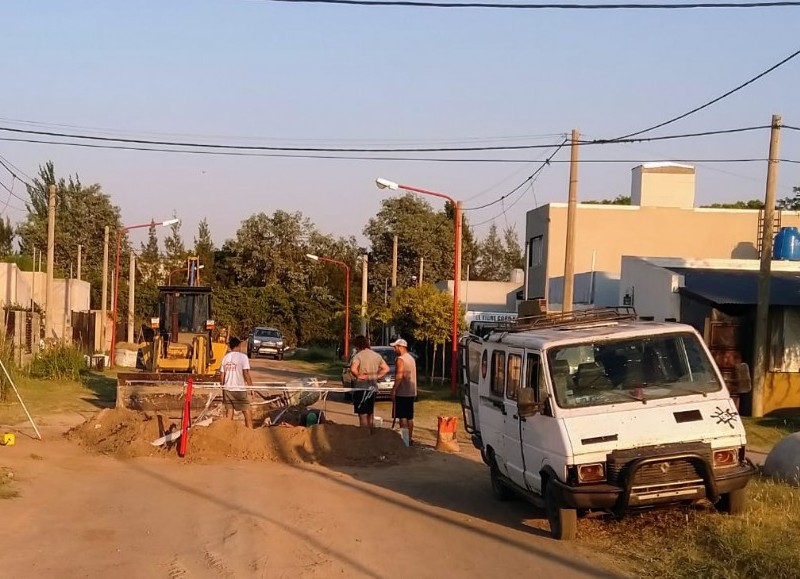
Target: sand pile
(127, 433)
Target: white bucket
(378, 422)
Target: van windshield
(634, 369)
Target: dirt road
(86, 515)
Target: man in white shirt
(235, 369)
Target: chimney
(663, 185)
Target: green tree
(7, 235)
(204, 250)
(790, 203)
(492, 260)
(82, 213)
(174, 249)
(751, 204)
(513, 256)
(618, 200)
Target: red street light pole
(120, 232)
(386, 184)
(346, 298)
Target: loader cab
(184, 310)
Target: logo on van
(725, 417)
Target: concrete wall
(18, 287)
(483, 296)
(604, 233)
(781, 392)
(653, 289)
(663, 185)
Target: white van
(595, 410)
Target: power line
(379, 158)
(150, 144)
(528, 179)
(4, 163)
(11, 194)
(713, 101)
(427, 4)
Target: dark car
(386, 383)
(267, 341)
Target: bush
(315, 354)
(58, 362)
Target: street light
(386, 184)
(120, 232)
(346, 297)
(169, 276)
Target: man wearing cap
(404, 393)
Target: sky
(262, 73)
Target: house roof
(738, 287)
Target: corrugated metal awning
(737, 287)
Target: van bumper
(604, 496)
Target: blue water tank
(787, 244)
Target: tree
(7, 235)
(82, 213)
(618, 200)
(513, 256)
(790, 203)
(751, 204)
(204, 250)
(491, 257)
(174, 249)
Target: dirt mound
(127, 433)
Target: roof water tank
(787, 244)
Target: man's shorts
(404, 407)
(237, 399)
(364, 402)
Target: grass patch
(764, 433)
(315, 354)
(689, 543)
(7, 490)
(94, 390)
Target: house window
(535, 251)
(514, 376)
(498, 382)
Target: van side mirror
(741, 384)
(526, 402)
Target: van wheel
(563, 522)
(499, 491)
(732, 503)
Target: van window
(634, 369)
(533, 376)
(473, 360)
(514, 376)
(498, 382)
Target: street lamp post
(169, 275)
(346, 297)
(120, 232)
(386, 184)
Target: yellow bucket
(7, 440)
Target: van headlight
(726, 457)
(593, 472)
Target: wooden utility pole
(394, 266)
(364, 274)
(33, 282)
(104, 297)
(569, 251)
(760, 353)
(421, 269)
(51, 246)
(80, 256)
(131, 293)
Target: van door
(512, 448)
(542, 438)
(492, 405)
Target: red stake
(186, 419)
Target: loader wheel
(563, 522)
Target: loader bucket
(159, 391)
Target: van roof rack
(566, 319)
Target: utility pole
(394, 266)
(364, 273)
(104, 297)
(760, 355)
(33, 282)
(456, 297)
(80, 256)
(569, 255)
(51, 246)
(131, 292)
(421, 269)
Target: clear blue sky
(283, 74)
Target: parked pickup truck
(596, 410)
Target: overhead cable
(548, 6)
